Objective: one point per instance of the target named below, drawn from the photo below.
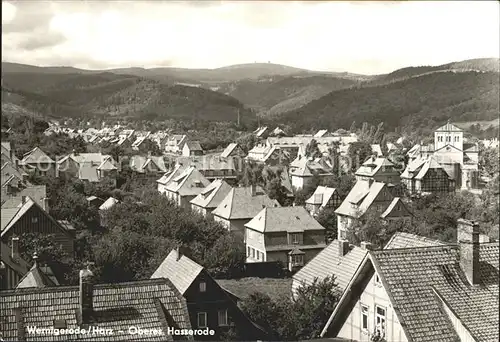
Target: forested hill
(422, 101)
(62, 95)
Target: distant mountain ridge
(301, 97)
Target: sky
(355, 36)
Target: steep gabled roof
(240, 204)
(375, 164)
(171, 174)
(228, 150)
(283, 219)
(212, 195)
(189, 183)
(11, 215)
(179, 269)
(325, 192)
(360, 198)
(35, 278)
(194, 145)
(155, 304)
(395, 204)
(35, 156)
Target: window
(457, 138)
(448, 139)
(253, 253)
(297, 259)
(440, 138)
(203, 286)
(377, 281)
(380, 320)
(364, 317)
(223, 321)
(248, 251)
(202, 319)
(34, 219)
(343, 234)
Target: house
(323, 197)
(38, 162)
(147, 165)
(114, 312)
(92, 167)
(425, 176)
(169, 176)
(15, 272)
(214, 167)
(261, 132)
(233, 150)
(175, 143)
(207, 303)
(192, 148)
(286, 234)
(210, 197)
(240, 206)
(459, 158)
(94, 201)
(302, 171)
(278, 132)
(258, 152)
(186, 186)
(29, 217)
(368, 196)
(139, 140)
(379, 169)
(436, 293)
(341, 260)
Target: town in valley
(185, 200)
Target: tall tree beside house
(358, 152)
(328, 219)
(252, 174)
(312, 150)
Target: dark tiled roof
(421, 280)
(151, 304)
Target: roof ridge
(62, 288)
(408, 249)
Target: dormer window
(203, 286)
(295, 238)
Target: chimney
(367, 246)
(253, 188)
(86, 293)
(15, 248)
(182, 250)
(468, 239)
(343, 247)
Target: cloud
(371, 37)
(8, 13)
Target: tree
(312, 150)
(299, 319)
(149, 146)
(358, 152)
(328, 219)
